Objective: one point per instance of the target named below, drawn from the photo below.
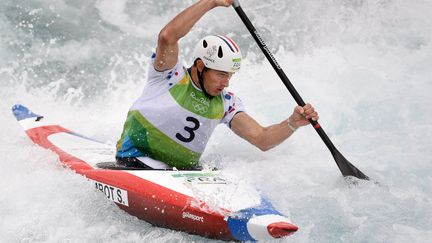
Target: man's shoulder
(228, 95)
(177, 72)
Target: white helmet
(218, 52)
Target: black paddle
(344, 165)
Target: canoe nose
(270, 226)
(281, 229)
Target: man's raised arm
(167, 50)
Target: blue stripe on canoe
(21, 112)
(237, 223)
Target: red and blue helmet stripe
(230, 43)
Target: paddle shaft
(346, 169)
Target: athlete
(170, 123)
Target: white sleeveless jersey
(173, 119)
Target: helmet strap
(201, 80)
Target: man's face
(216, 81)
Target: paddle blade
(346, 167)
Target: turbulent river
(364, 64)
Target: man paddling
(170, 123)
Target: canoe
(201, 202)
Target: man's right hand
(225, 3)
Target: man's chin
(217, 93)
(214, 94)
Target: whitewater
(364, 64)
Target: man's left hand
(301, 115)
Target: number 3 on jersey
(195, 125)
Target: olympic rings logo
(199, 107)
